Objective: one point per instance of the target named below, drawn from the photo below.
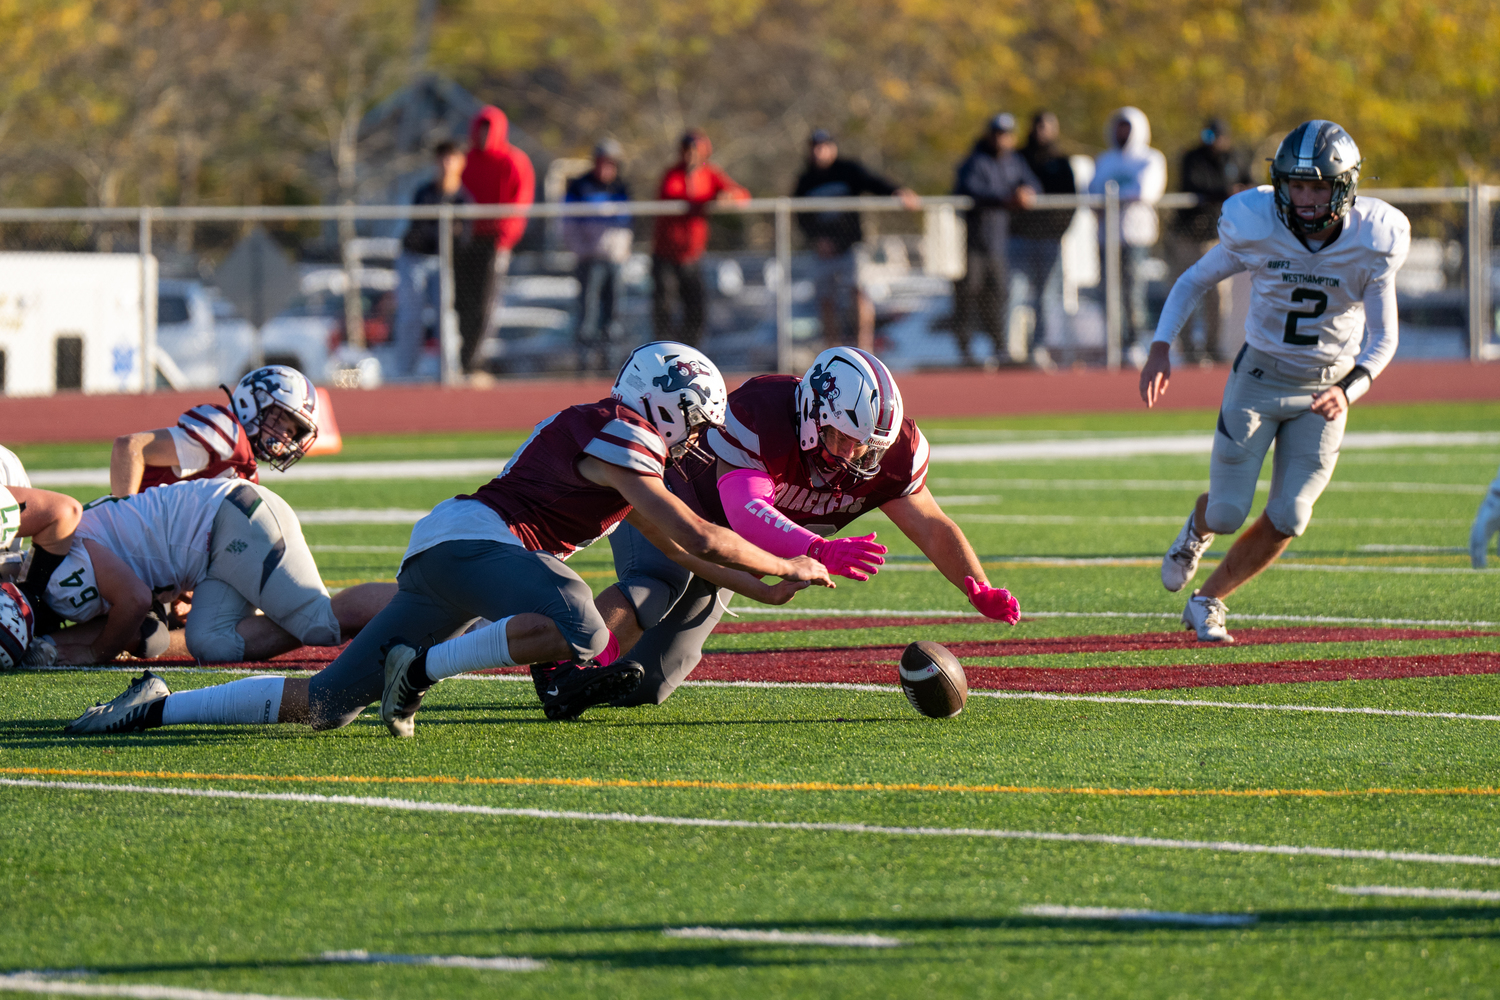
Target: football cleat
(124, 714)
(1180, 563)
(400, 699)
(1205, 615)
(574, 689)
(541, 678)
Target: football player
(499, 554)
(12, 473)
(796, 461)
(272, 417)
(1486, 523)
(1323, 273)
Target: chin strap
(1356, 383)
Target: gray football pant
(441, 592)
(257, 558)
(677, 609)
(1266, 401)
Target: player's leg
(356, 606)
(1486, 524)
(649, 585)
(670, 650)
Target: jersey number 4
(1320, 303)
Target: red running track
(519, 404)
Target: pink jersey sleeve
(747, 496)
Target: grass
(245, 895)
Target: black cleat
(541, 678)
(573, 689)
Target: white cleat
(400, 700)
(1180, 563)
(1205, 615)
(125, 714)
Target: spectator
(1036, 236)
(1141, 172)
(999, 181)
(601, 244)
(496, 173)
(676, 271)
(832, 235)
(418, 281)
(1213, 172)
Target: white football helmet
(277, 442)
(675, 387)
(851, 391)
(16, 624)
(10, 517)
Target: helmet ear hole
(666, 415)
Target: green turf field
(660, 852)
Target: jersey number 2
(1319, 301)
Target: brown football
(933, 680)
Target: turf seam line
(1414, 891)
(647, 819)
(495, 963)
(783, 937)
(751, 786)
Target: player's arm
(1212, 268)
(921, 519)
(663, 516)
(129, 600)
(1380, 345)
(47, 518)
(133, 452)
(748, 496)
(742, 583)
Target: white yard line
(362, 515)
(1168, 485)
(980, 619)
(35, 982)
(1088, 520)
(1206, 703)
(783, 937)
(646, 819)
(495, 963)
(1141, 916)
(1401, 890)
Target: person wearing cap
(1036, 236)
(679, 240)
(999, 181)
(417, 281)
(1213, 171)
(833, 235)
(601, 244)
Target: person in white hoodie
(1141, 172)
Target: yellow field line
(757, 786)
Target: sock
(611, 652)
(248, 702)
(416, 672)
(480, 649)
(1193, 526)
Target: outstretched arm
(1212, 268)
(742, 583)
(133, 452)
(921, 519)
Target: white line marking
(367, 548)
(1144, 916)
(33, 982)
(1442, 549)
(497, 963)
(1205, 703)
(646, 819)
(783, 937)
(361, 515)
(1173, 485)
(980, 619)
(1401, 890)
(902, 564)
(1152, 519)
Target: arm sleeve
(1380, 324)
(747, 495)
(869, 182)
(1212, 268)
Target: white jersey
(161, 534)
(12, 473)
(1309, 309)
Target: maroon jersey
(539, 493)
(760, 432)
(223, 439)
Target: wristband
(1356, 383)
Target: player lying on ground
(498, 554)
(1323, 272)
(235, 544)
(796, 461)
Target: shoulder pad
(1382, 227)
(1248, 217)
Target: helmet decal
(852, 392)
(664, 381)
(682, 375)
(824, 383)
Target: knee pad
(217, 647)
(1288, 517)
(154, 637)
(1223, 518)
(651, 596)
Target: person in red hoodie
(681, 239)
(496, 173)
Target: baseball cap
(819, 136)
(609, 149)
(1003, 122)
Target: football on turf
(933, 680)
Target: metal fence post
(1113, 298)
(148, 306)
(784, 286)
(1480, 223)
(448, 368)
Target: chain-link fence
(129, 300)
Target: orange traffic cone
(329, 442)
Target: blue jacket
(991, 181)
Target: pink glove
(856, 558)
(992, 603)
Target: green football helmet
(1316, 151)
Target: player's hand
(809, 569)
(857, 558)
(996, 603)
(1156, 373)
(1330, 403)
(782, 591)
